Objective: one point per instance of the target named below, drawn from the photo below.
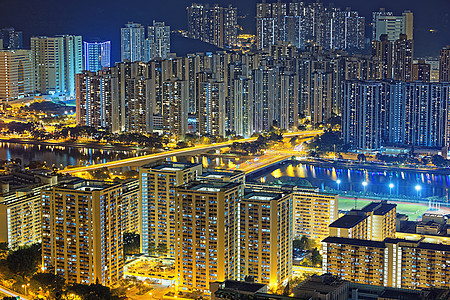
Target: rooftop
(170, 166)
(80, 184)
(355, 242)
(212, 186)
(322, 284)
(348, 221)
(244, 286)
(260, 195)
(379, 208)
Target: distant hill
(183, 46)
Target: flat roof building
(82, 236)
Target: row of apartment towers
(211, 222)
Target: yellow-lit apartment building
(130, 206)
(377, 257)
(206, 248)
(226, 230)
(16, 74)
(265, 236)
(81, 232)
(20, 207)
(313, 212)
(157, 202)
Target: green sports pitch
(413, 210)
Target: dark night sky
(104, 18)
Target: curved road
(140, 160)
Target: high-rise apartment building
(393, 26)
(381, 13)
(12, 39)
(320, 76)
(444, 65)
(56, 61)
(157, 203)
(298, 23)
(20, 206)
(97, 55)
(314, 211)
(82, 232)
(265, 236)
(375, 222)
(382, 49)
(421, 71)
(211, 104)
(425, 114)
(158, 42)
(131, 94)
(132, 42)
(213, 24)
(207, 245)
(130, 206)
(16, 74)
(175, 107)
(364, 114)
(94, 100)
(379, 112)
(403, 58)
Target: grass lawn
(413, 210)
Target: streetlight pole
(364, 185)
(391, 186)
(418, 188)
(338, 183)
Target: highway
(8, 292)
(141, 160)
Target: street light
(25, 287)
(418, 188)
(338, 183)
(364, 183)
(391, 186)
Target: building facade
(205, 225)
(56, 61)
(82, 236)
(97, 55)
(132, 42)
(158, 42)
(16, 74)
(393, 26)
(157, 204)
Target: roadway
(8, 292)
(141, 160)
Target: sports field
(413, 210)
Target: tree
(25, 260)
(361, 157)
(100, 174)
(91, 292)
(131, 174)
(3, 250)
(131, 243)
(438, 160)
(304, 243)
(161, 249)
(316, 258)
(48, 282)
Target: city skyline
(104, 20)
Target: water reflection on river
(403, 183)
(62, 156)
